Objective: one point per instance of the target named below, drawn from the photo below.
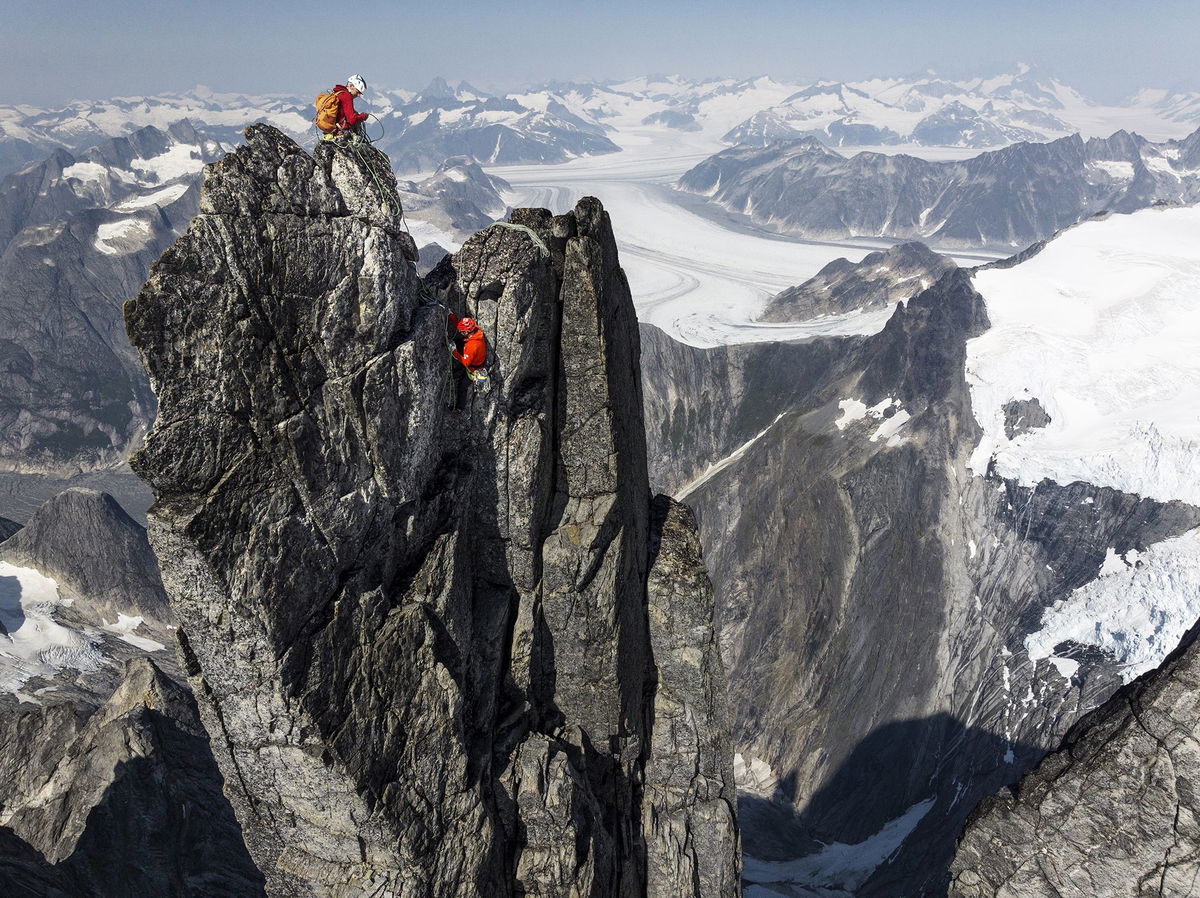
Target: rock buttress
(1112, 813)
(415, 615)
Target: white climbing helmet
(357, 82)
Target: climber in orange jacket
(473, 349)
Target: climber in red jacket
(345, 120)
(355, 87)
(472, 351)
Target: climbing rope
(388, 194)
(537, 241)
(396, 204)
(353, 142)
(382, 132)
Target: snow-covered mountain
(441, 122)
(559, 121)
(931, 111)
(1002, 198)
(418, 129)
(450, 205)
(922, 110)
(936, 545)
(77, 235)
(28, 133)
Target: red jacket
(474, 347)
(347, 117)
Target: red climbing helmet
(466, 325)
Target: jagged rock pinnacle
(420, 628)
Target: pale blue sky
(70, 49)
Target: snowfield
(33, 643)
(837, 870)
(1103, 329)
(1137, 609)
(125, 236)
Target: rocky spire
(430, 628)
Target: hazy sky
(68, 49)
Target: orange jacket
(474, 347)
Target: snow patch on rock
(1122, 171)
(158, 198)
(837, 869)
(124, 629)
(119, 237)
(177, 161)
(852, 410)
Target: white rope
(537, 241)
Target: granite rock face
(1113, 813)
(419, 617)
(688, 817)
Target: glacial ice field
(697, 273)
(1102, 328)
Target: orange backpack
(329, 109)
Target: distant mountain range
(1003, 198)
(559, 121)
(926, 109)
(78, 232)
(77, 236)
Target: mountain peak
(356, 520)
(438, 89)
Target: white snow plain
(694, 272)
(1103, 329)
